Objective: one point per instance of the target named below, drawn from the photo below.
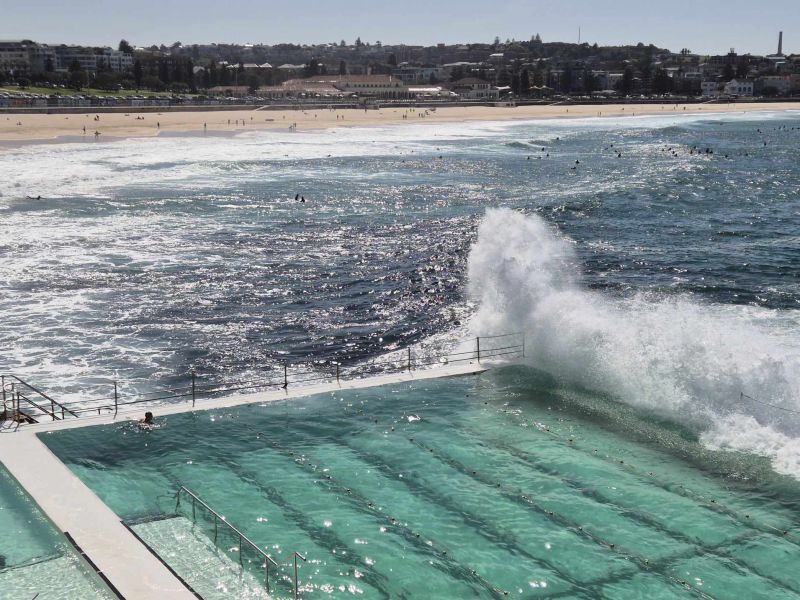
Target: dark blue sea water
(638, 249)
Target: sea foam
(671, 355)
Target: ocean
(649, 260)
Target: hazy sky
(706, 26)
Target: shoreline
(22, 129)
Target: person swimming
(148, 421)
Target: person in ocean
(147, 422)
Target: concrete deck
(74, 508)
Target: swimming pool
(36, 560)
(496, 485)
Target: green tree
(311, 68)
(662, 82)
(524, 83)
(224, 76)
(589, 82)
(189, 72)
(253, 82)
(124, 46)
(392, 60)
(179, 87)
(742, 69)
(503, 78)
(78, 79)
(515, 84)
(567, 79)
(626, 85)
(728, 73)
(138, 72)
(433, 80)
(107, 81)
(151, 82)
(163, 71)
(342, 68)
(49, 67)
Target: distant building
(375, 86)
(472, 88)
(291, 69)
(429, 91)
(738, 88)
(614, 80)
(92, 60)
(25, 57)
(229, 90)
(300, 88)
(782, 84)
(710, 89)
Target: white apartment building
(91, 61)
(25, 57)
(472, 88)
(738, 88)
(782, 83)
(378, 86)
(710, 89)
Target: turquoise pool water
(35, 559)
(490, 486)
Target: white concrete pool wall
(130, 567)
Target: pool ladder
(243, 539)
(14, 391)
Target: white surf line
(74, 508)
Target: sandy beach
(34, 127)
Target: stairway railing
(243, 539)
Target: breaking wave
(671, 355)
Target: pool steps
(132, 569)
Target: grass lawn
(84, 92)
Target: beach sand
(44, 127)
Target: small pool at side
(36, 560)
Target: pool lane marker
(412, 536)
(720, 550)
(302, 460)
(644, 563)
(710, 503)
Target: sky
(703, 26)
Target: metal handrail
(21, 396)
(295, 556)
(400, 363)
(53, 403)
(242, 537)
